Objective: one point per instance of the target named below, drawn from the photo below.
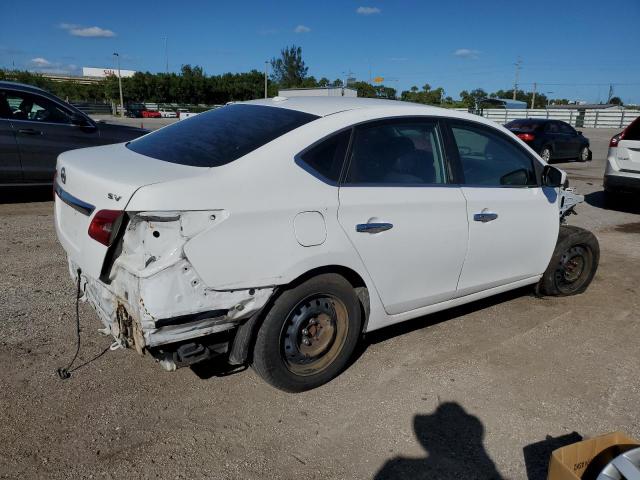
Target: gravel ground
(469, 393)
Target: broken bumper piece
(144, 310)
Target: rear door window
(219, 136)
(397, 152)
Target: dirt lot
(463, 394)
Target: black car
(134, 110)
(552, 139)
(35, 127)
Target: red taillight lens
(527, 137)
(615, 139)
(102, 227)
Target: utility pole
(533, 97)
(166, 54)
(120, 84)
(610, 92)
(266, 66)
(518, 64)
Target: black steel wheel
(309, 334)
(573, 264)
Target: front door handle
(373, 227)
(485, 216)
(29, 131)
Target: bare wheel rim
(313, 334)
(573, 268)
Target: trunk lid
(101, 178)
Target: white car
(168, 113)
(622, 173)
(277, 232)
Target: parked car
(135, 110)
(168, 113)
(622, 173)
(552, 139)
(35, 127)
(151, 114)
(281, 230)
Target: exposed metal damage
(153, 296)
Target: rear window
(219, 136)
(522, 126)
(633, 130)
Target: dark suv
(552, 139)
(35, 127)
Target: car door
(43, 130)
(573, 141)
(555, 139)
(513, 221)
(10, 168)
(400, 211)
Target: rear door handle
(373, 227)
(29, 131)
(485, 217)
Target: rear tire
(309, 334)
(573, 264)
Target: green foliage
(616, 101)
(426, 95)
(367, 90)
(469, 99)
(289, 70)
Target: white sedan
(277, 232)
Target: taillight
(103, 226)
(615, 139)
(527, 137)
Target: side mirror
(553, 177)
(79, 120)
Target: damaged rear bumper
(149, 312)
(153, 296)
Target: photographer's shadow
(453, 441)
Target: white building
(318, 92)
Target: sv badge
(113, 196)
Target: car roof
(536, 120)
(323, 106)
(21, 87)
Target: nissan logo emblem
(63, 175)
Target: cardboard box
(570, 462)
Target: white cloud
(466, 53)
(92, 32)
(368, 10)
(43, 65)
(302, 29)
(40, 62)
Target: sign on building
(105, 72)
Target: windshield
(219, 136)
(522, 126)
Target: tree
(289, 70)
(616, 101)
(426, 95)
(470, 98)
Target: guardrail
(579, 117)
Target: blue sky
(571, 48)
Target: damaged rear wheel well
(242, 345)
